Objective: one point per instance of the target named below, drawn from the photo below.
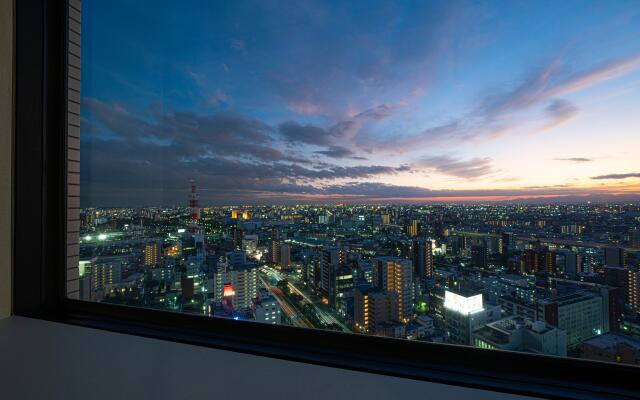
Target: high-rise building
(238, 284)
(234, 214)
(507, 244)
(238, 235)
(236, 258)
(101, 272)
(571, 262)
(479, 255)
(385, 219)
(250, 243)
(245, 215)
(618, 277)
(192, 245)
(285, 256)
(187, 286)
(582, 314)
(311, 269)
(331, 258)
(614, 256)
(373, 307)
(344, 282)
(634, 237)
(414, 228)
(152, 254)
(529, 261)
(422, 258)
(275, 247)
(633, 291)
(573, 228)
(326, 217)
(549, 262)
(538, 260)
(493, 245)
(396, 275)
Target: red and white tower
(193, 203)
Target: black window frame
(39, 264)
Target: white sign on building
(461, 304)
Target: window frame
(40, 246)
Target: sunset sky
(315, 101)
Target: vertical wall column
(73, 148)
(6, 159)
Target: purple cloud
(468, 169)
(575, 159)
(618, 176)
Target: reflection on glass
(453, 172)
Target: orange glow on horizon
(612, 189)
(472, 198)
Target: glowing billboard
(461, 304)
(228, 290)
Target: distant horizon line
(415, 204)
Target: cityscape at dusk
(448, 172)
(560, 280)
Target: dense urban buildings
(358, 173)
(494, 276)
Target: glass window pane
(451, 172)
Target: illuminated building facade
(464, 312)
(238, 284)
(538, 260)
(331, 259)
(422, 255)
(414, 228)
(344, 282)
(372, 307)
(396, 275)
(98, 275)
(275, 247)
(268, 311)
(633, 291)
(152, 251)
(385, 219)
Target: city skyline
(557, 280)
(392, 103)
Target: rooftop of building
(491, 335)
(611, 340)
(498, 332)
(465, 292)
(243, 267)
(424, 317)
(571, 298)
(511, 299)
(390, 324)
(414, 325)
(376, 293)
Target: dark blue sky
(269, 102)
